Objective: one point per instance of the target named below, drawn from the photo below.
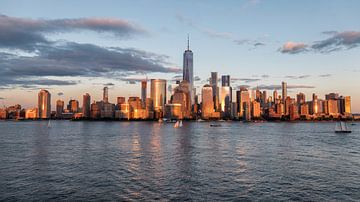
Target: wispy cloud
(293, 47)
(336, 42)
(298, 77)
(325, 75)
(246, 80)
(277, 87)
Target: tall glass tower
(188, 71)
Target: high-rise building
(215, 89)
(225, 100)
(300, 98)
(86, 105)
(181, 96)
(255, 109)
(143, 92)
(158, 93)
(106, 94)
(225, 80)
(188, 71)
(284, 91)
(44, 104)
(242, 96)
(207, 107)
(59, 108)
(276, 96)
(73, 106)
(332, 96)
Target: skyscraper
(215, 89)
(242, 97)
(44, 104)
(207, 102)
(105, 95)
(284, 91)
(225, 80)
(86, 105)
(143, 92)
(158, 93)
(59, 108)
(275, 95)
(188, 70)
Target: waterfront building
(242, 96)
(158, 94)
(86, 105)
(173, 111)
(182, 96)
(215, 89)
(345, 105)
(149, 107)
(3, 113)
(188, 72)
(263, 99)
(225, 100)
(293, 112)
(207, 107)
(234, 110)
(284, 91)
(332, 96)
(333, 107)
(44, 104)
(143, 92)
(107, 110)
(31, 113)
(59, 108)
(247, 111)
(304, 109)
(255, 109)
(95, 111)
(275, 96)
(73, 106)
(135, 108)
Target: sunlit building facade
(158, 93)
(44, 104)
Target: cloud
(338, 41)
(293, 47)
(246, 80)
(60, 93)
(2, 98)
(109, 84)
(83, 60)
(298, 77)
(197, 78)
(27, 34)
(278, 87)
(325, 75)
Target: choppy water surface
(152, 161)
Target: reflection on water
(151, 161)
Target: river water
(146, 161)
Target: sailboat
(49, 124)
(178, 124)
(341, 127)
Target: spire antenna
(188, 46)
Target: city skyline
(319, 58)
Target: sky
(74, 47)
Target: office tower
(95, 110)
(158, 93)
(135, 107)
(31, 113)
(315, 107)
(143, 92)
(287, 104)
(107, 110)
(255, 109)
(44, 104)
(300, 98)
(284, 91)
(304, 109)
(242, 96)
(86, 105)
(293, 112)
(120, 100)
(59, 108)
(73, 106)
(188, 71)
(225, 100)
(173, 111)
(225, 80)
(332, 107)
(181, 96)
(345, 105)
(263, 98)
(247, 111)
(332, 96)
(207, 107)
(215, 89)
(106, 95)
(275, 96)
(258, 94)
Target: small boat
(49, 124)
(215, 125)
(341, 127)
(178, 124)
